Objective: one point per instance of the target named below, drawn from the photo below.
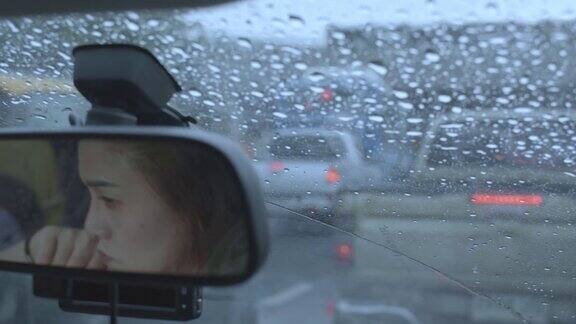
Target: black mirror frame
(246, 177)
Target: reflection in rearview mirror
(138, 205)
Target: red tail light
(327, 95)
(276, 166)
(344, 251)
(333, 176)
(331, 308)
(500, 199)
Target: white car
(307, 170)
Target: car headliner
(34, 7)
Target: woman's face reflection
(136, 229)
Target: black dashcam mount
(126, 85)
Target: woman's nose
(97, 224)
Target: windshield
(417, 157)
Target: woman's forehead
(113, 146)
(99, 158)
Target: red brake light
(344, 251)
(509, 199)
(276, 166)
(327, 95)
(331, 308)
(333, 176)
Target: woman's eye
(109, 202)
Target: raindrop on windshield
(153, 23)
(444, 98)
(301, 66)
(378, 68)
(400, 94)
(244, 42)
(431, 57)
(195, 93)
(415, 120)
(279, 114)
(316, 76)
(132, 26)
(296, 21)
(376, 118)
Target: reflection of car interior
(20, 212)
(76, 194)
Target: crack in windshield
(400, 253)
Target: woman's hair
(199, 183)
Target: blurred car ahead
(494, 188)
(307, 171)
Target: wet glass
(461, 165)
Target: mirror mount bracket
(122, 80)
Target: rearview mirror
(130, 203)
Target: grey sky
(304, 21)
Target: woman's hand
(67, 247)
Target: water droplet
(244, 42)
(12, 27)
(255, 65)
(301, 66)
(195, 93)
(400, 94)
(523, 110)
(376, 118)
(444, 98)
(153, 23)
(257, 94)
(415, 120)
(378, 68)
(338, 35)
(279, 114)
(209, 103)
(316, 77)
(133, 15)
(296, 21)
(64, 56)
(132, 26)
(406, 105)
(431, 57)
